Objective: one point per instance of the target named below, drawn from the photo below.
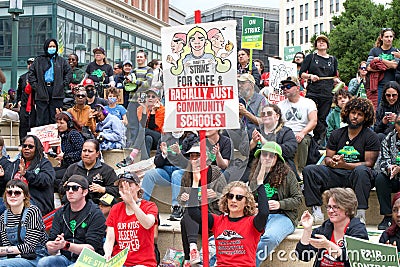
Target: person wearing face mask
(92, 99)
(49, 77)
(114, 108)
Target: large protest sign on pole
(364, 253)
(200, 69)
(252, 32)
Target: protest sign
(89, 258)
(362, 253)
(279, 70)
(46, 133)
(252, 32)
(290, 51)
(200, 76)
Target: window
(301, 12)
(316, 8)
(321, 27)
(301, 35)
(70, 14)
(321, 7)
(337, 5)
(292, 14)
(316, 29)
(78, 18)
(330, 25)
(292, 36)
(306, 12)
(331, 7)
(287, 16)
(306, 34)
(287, 38)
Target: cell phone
(142, 98)
(388, 113)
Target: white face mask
(177, 135)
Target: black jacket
(21, 95)
(62, 75)
(90, 228)
(356, 229)
(40, 181)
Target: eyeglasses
(287, 86)
(151, 96)
(230, 196)
(80, 96)
(116, 68)
(16, 193)
(363, 68)
(28, 146)
(74, 188)
(268, 154)
(333, 207)
(391, 95)
(298, 57)
(269, 113)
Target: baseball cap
(194, 149)
(292, 80)
(130, 177)
(270, 147)
(127, 62)
(154, 91)
(30, 60)
(246, 77)
(323, 37)
(79, 179)
(88, 82)
(107, 200)
(101, 49)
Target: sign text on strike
(201, 93)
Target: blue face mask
(112, 100)
(51, 50)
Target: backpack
(313, 152)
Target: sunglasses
(28, 146)
(287, 86)
(230, 196)
(16, 193)
(391, 95)
(386, 29)
(269, 113)
(298, 57)
(151, 96)
(74, 188)
(80, 96)
(363, 68)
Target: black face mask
(90, 93)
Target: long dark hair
(39, 151)
(393, 228)
(394, 85)
(277, 174)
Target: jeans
(165, 176)
(18, 262)
(133, 124)
(278, 227)
(58, 260)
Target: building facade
(87, 24)
(176, 16)
(236, 12)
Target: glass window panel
(117, 33)
(95, 24)
(124, 36)
(132, 38)
(149, 45)
(102, 40)
(94, 41)
(110, 47)
(70, 15)
(102, 27)
(87, 21)
(42, 10)
(117, 50)
(78, 18)
(69, 35)
(60, 11)
(110, 30)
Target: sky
(204, 5)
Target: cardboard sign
(89, 258)
(200, 76)
(252, 32)
(46, 133)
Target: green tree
(355, 33)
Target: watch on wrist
(67, 245)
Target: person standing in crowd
(126, 80)
(36, 171)
(27, 110)
(216, 182)
(334, 121)
(357, 85)
(238, 219)
(71, 144)
(327, 241)
(391, 235)
(157, 81)
(132, 214)
(82, 112)
(99, 71)
(117, 70)
(298, 60)
(300, 115)
(321, 71)
(91, 92)
(264, 81)
(381, 62)
(387, 180)
(244, 66)
(77, 225)
(113, 107)
(273, 129)
(49, 77)
(351, 154)
(22, 231)
(284, 196)
(77, 73)
(144, 77)
(388, 109)
(100, 176)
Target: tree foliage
(355, 33)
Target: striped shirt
(144, 76)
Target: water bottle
(398, 159)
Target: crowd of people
(257, 175)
